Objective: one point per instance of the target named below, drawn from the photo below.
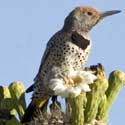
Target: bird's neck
(83, 33)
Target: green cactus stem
(102, 106)
(6, 101)
(17, 91)
(77, 115)
(116, 82)
(98, 89)
(13, 121)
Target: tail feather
(30, 89)
(33, 108)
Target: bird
(67, 49)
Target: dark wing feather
(45, 56)
(30, 89)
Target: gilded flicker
(67, 50)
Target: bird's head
(84, 18)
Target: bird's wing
(45, 55)
(49, 46)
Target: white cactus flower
(82, 79)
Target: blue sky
(27, 25)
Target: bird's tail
(33, 108)
(30, 89)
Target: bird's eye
(89, 13)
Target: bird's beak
(109, 13)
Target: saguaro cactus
(89, 108)
(116, 81)
(99, 100)
(12, 101)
